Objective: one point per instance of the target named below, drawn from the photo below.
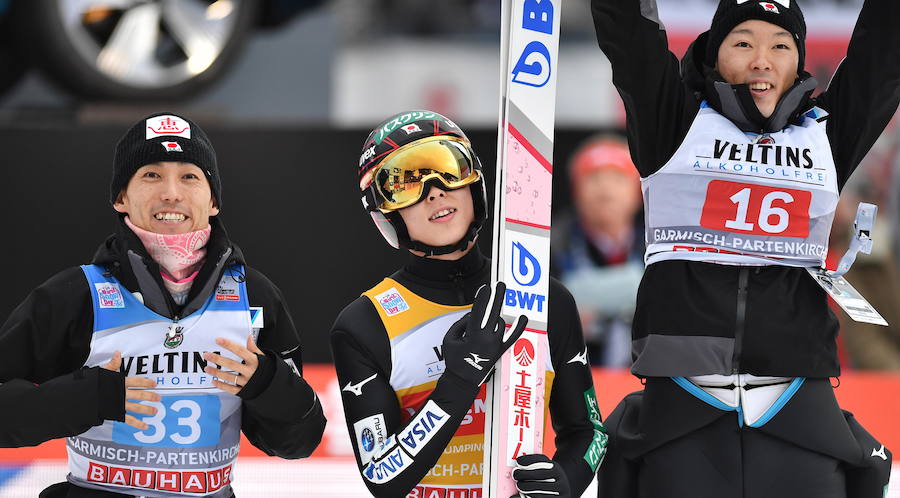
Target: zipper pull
(173, 328)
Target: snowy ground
(257, 477)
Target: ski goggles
(402, 176)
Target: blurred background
(287, 91)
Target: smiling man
(741, 170)
(412, 353)
(154, 358)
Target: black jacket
(777, 318)
(361, 348)
(46, 340)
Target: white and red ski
(514, 423)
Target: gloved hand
(475, 342)
(538, 476)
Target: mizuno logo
(879, 453)
(357, 388)
(475, 360)
(580, 357)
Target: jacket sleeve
(43, 345)
(580, 436)
(865, 90)
(658, 106)
(282, 415)
(393, 453)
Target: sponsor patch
(597, 449)
(392, 302)
(523, 352)
(172, 146)
(371, 436)
(769, 7)
(167, 125)
(388, 466)
(109, 295)
(403, 119)
(228, 290)
(189, 482)
(423, 427)
(256, 317)
(366, 155)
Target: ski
(514, 422)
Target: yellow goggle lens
(402, 176)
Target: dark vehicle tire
(134, 50)
(12, 65)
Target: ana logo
(109, 295)
(167, 125)
(526, 269)
(523, 352)
(769, 7)
(411, 128)
(367, 440)
(392, 302)
(171, 146)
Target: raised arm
(646, 74)
(865, 90)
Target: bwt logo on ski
(526, 271)
(533, 66)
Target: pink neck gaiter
(179, 256)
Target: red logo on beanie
(769, 7)
(168, 125)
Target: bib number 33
(756, 209)
(180, 421)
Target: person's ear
(120, 204)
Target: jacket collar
(124, 256)
(735, 101)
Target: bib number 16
(756, 209)
(180, 421)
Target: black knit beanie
(784, 13)
(162, 137)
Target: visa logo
(421, 429)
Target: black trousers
(665, 443)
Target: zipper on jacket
(740, 322)
(457, 278)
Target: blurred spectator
(598, 249)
